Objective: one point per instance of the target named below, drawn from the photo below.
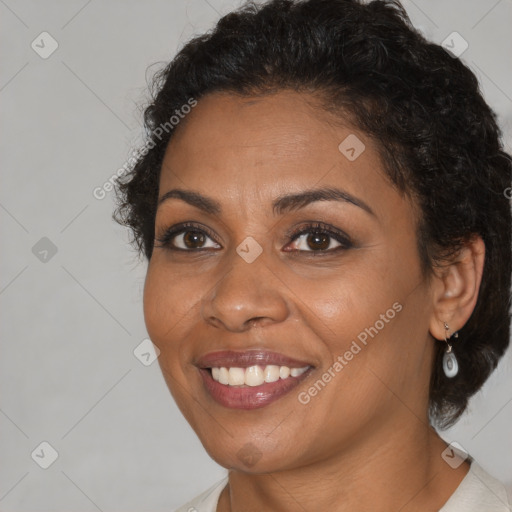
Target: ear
(455, 288)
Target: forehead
(263, 146)
(283, 124)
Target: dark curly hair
(438, 140)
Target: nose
(246, 294)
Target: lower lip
(249, 397)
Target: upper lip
(244, 359)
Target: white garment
(478, 492)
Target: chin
(249, 454)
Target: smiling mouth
(236, 381)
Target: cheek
(372, 324)
(343, 304)
(166, 306)
(157, 304)
(361, 316)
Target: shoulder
(477, 492)
(206, 501)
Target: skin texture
(363, 442)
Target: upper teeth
(254, 375)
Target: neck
(400, 469)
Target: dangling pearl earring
(450, 364)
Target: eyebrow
(281, 205)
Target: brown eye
(192, 239)
(318, 241)
(187, 237)
(318, 238)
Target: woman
(322, 201)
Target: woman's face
(271, 277)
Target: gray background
(70, 321)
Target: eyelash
(165, 239)
(319, 228)
(307, 228)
